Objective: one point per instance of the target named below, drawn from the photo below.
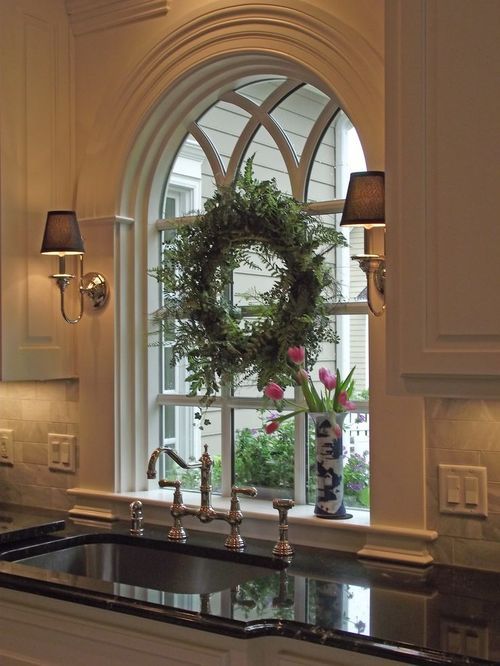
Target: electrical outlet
(62, 452)
(6, 447)
(463, 490)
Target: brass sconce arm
(373, 266)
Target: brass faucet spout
(151, 473)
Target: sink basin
(153, 565)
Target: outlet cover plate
(62, 452)
(6, 447)
(463, 490)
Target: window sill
(357, 534)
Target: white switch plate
(6, 447)
(460, 636)
(463, 490)
(62, 452)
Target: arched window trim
(139, 124)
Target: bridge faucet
(205, 513)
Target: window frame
(178, 181)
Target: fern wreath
(240, 222)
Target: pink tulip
(274, 391)
(327, 379)
(350, 405)
(271, 426)
(302, 376)
(337, 430)
(343, 399)
(296, 355)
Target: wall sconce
(62, 237)
(365, 207)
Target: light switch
(471, 486)
(56, 451)
(453, 486)
(65, 453)
(463, 490)
(62, 452)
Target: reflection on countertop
(432, 615)
(25, 522)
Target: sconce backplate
(95, 286)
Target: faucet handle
(234, 517)
(177, 531)
(165, 483)
(136, 518)
(238, 490)
(283, 547)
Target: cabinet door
(442, 169)
(43, 632)
(36, 158)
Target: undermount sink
(146, 564)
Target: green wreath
(246, 220)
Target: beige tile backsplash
(461, 432)
(465, 432)
(32, 410)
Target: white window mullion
(300, 464)
(226, 442)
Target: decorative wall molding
(37, 133)
(444, 340)
(93, 15)
(399, 545)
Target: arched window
(300, 137)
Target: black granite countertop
(432, 615)
(17, 522)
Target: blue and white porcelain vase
(329, 467)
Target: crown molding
(87, 16)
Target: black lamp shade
(365, 200)
(62, 234)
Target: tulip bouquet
(335, 397)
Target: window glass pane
(183, 191)
(262, 460)
(248, 389)
(350, 351)
(268, 162)
(223, 124)
(297, 112)
(351, 281)
(322, 179)
(188, 439)
(356, 289)
(260, 90)
(169, 423)
(338, 154)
